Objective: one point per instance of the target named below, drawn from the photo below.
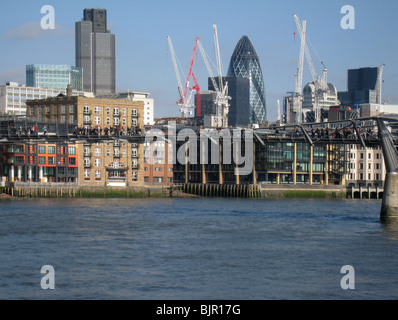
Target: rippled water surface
(196, 249)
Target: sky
(143, 60)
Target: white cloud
(33, 30)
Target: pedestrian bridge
(368, 132)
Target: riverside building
(113, 163)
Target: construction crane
(320, 83)
(379, 82)
(221, 89)
(298, 98)
(196, 87)
(184, 102)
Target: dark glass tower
(95, 52)
(245, 63)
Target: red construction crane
(197, 89)
(183, 101)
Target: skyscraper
(95, 52)
(245, 63)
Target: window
(116, 121)
(157, 179)
(51, 160)
(97, 109)
(72, 150)
(87, 174)
(63, 109)
(97, 120)
(134, 113)
(86, 109)
(369, 166)
(369, 156)
(97, 174)
(158, 169)
(86, 162)
(134, 122)
(115, 111)
(146, 179)
(72, 109)
(42, 149)
(97, 162)
(97, 152)
(72, 161)
(51, 149)
(42, 160)
(124, 111)
(361, 155)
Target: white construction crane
(184, 101)
(222, 105)
(298, 98)
(320, 83)
(379, 82)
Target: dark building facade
(239, 105)
(95, 52)
(361, 87)
(245, 63)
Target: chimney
(69, 90)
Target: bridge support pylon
(389, 206)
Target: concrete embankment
(46, 190)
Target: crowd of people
(108, 131)
(338, 133)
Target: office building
(361, 87)
(245, 63)
(54, 76)
(136, 96)
(13, 96)
(239, 105)
(95, 52)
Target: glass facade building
(245, 63)
(54, 76)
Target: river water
(196, 249)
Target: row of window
(51, 161)
(377, 166)
(87, 175)
(361, 155)
(97, 110)
(361, 176)
(51, 150)
(116, 152)
(116, 121)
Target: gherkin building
(245, 63)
